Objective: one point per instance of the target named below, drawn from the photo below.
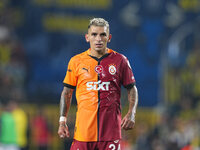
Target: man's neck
(99, 54)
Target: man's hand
(65, 102)
(63, 130)
(128, 122)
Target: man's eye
(103, 34)
(94, 34)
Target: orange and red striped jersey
(98, 90)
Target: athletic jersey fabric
(21, 126)
(8, 129)
(98, 83)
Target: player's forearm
(133, 101)
(65, 101)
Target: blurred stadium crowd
(164, 56)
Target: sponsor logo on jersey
(98, 85)
(85, 69)
(99, 69)
(112, 69)
(69, 70)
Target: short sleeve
(70, 79)
(128, 79)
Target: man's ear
(110, 36)
(86, 38)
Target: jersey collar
(89, 51)
(99, 59)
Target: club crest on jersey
(112, 69)
(99, 69)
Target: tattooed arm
(65, 102)
(129, 119)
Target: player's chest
(105, 69)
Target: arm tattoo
(65, 101)
(133, 101)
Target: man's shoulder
(117, 54)
(79, 56)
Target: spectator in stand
(40, 130)
(21, 121)
(8, 135)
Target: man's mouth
(98, 45)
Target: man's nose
(98, 38)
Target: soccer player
(97, 74)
